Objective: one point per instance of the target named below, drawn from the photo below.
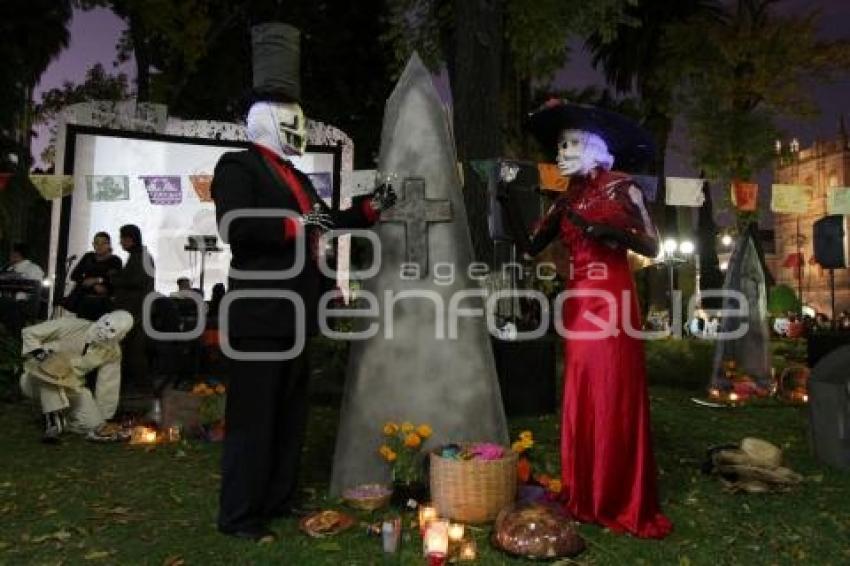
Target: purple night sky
(95, 33)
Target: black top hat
(631, 145)
(277, 62)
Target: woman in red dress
(607, 465)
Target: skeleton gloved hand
(317, 218)
(383, 197)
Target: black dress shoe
(255, 535)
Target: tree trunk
(142, 56)
(663, 215)
(475, 67)
(710, 274)
(516, 101)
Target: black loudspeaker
(829, 409)
(520, 194)
(830, 238)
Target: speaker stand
(832, 296)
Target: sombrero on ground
(631, 145)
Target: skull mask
(580, 151)
(110, 328)
(278, 126)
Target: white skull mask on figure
(279, 126)
(579, 152)
(110, 328)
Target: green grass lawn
(96, 504)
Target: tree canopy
(200, 53)
(741, 73)
(98, 85)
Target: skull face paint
(580, 151)
(278, 126)
(110, 328)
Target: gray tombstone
(829, 408)
(412, 370)
(751, 352)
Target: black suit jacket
(244, 181)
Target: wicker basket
(473, 491)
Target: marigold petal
(424, 431)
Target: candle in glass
(456, 532)
(436, 537)
(426, 515)
(174, 433)
(468, 551)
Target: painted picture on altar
(323, 184)
(163, 189)
(106, 188)
(202, 183)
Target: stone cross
(416, 211)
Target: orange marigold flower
(518, 447)
(412, 440)
(555, 486)
(424, 431)
(523, 469)
(407, 427)
(526, 435)
(390, 428)
(385, 452)
(392, 456)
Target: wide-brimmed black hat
(276, 54)
(631, 145)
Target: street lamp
(673, 254)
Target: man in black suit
(266, 410)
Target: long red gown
(608, 470)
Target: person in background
(844, 320)
(18, 306)
(131, 285)
(184, 286)
(218, 291)
(21, 265)
(92, 275)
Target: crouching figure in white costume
(59, 353)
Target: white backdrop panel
(165, 227)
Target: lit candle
(733, 396)
(150, 436)
(805, 398)
(468, 551)
(436, 537)
(426, 515)
(456, 532)
(714, 393)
